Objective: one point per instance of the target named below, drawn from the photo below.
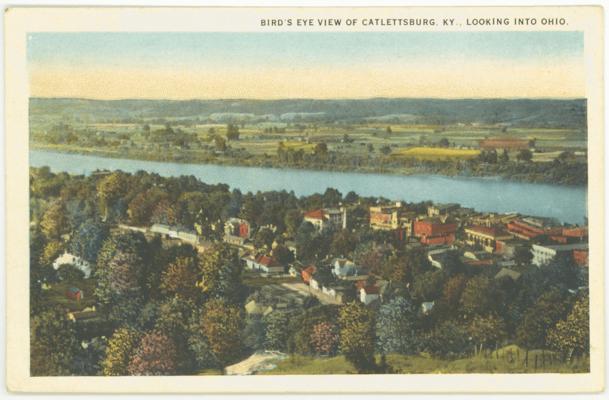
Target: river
(565, 203)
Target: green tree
(395, 327)
(220, 273)
(276, 337)
(263, 239)
(357, 336)
(486, 331)
(119, 351)
(479, 296)
(53, 344)
(110, 189)
(524, 155)
(538, 319)
(428, 286)
(232, 132)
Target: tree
(386, 150)
(343, 243)
(54, 222)
(538, 319)
(109, 190)
(220, 143)
(53, 344)
(572, 335)
(504, 157)
(154, 355)
(479, 296)
(222, 324)
(486, 330)
(283, 255)
(325, 338)
(395, 327)
(88, 239)
(292, 220)
(180, 278)
(321, 148)
(69, 273)
(263, 239)
(357, 336)
(276, 337)
(254, 332)
(524, 155)
(428, 286)
(443, 142)
(232, 132)
(448, 340)
(305, 245)
(331, 197)
(220, 272)
(119, 351)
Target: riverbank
(564, 203)
(542, 173)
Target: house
(342, 268)
(82, 315)
(432, 231)
(70, 259)
(544, 254)
(236, 231)
(173, 232)
(524, 230)
(427, 306)
(436, 210)
(264, 263)
(74, 293)
(385, 217)
(325, 218)
(369, 293)
(321, 278)
(485, 237)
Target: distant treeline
(533, 113)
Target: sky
(307, 65)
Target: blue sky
(270, 48)
(307, 65)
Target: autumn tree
(54, 222)
(571, 336)
(357, 336)
(222, 323)
(325, 338)
(154, 355)
(119, 351)
(180, 278)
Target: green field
(506, 360)
(436, 153)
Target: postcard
(305, 200)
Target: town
(205, 277)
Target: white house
(68, 258)
(368, 294)
(341, 268)
(543, 255)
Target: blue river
(565, 203)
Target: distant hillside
(519, 112)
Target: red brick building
(432, 231)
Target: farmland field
(436, 153)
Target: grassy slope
(420, 364)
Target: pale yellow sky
(443, 79)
